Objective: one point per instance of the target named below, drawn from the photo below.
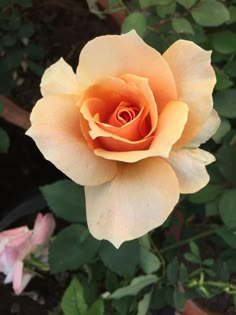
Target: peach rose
(127, 126)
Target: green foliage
(122, 261)
(15, 38)
(63, 195)
(135, 21)
(136, 285)
(4, 141)
(73, 301)
(148, 261)
(210, 13)
(72, 248)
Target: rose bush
(17, 244)
(128, 126)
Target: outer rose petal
(138, 199)
(56, 131)
(20, 279)
(195, 80)
(43, 229)
(59, 78)
(115, 55)
(169, 129)
(189, 167)
(208, 130)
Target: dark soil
(62, 28)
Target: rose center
(123, 114)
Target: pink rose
(18, 244)
(128, 126)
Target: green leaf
(223, 129)
(228, 236)
(226, 157)
(4, 3)
(210, 13)
(24, 3)
(143, 305)
(158, 300)
(223, 81)
(122, 261)
(72, 248)
(232, 11)
(172, 271)
(26, 30)
(225, 103)
(35, 52)
(1, 107)
(187, 3)
(227, 208)
(194, 248)
(192, 258)
(164, 10)
(97, 308)
(224, 42)
(137, 21)
(208, 262)
(183, 274)
(66, 200)
(36, 68)
(4, 141)
(136, 285)
(147, 3)
(148, 261)
(73, 302)
(182, 25)
(5, 79)
(212, 208)
(179, 299)
(9, 40)
(206, 194)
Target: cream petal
(189, 166)
(56, 131)
(59, 78)
(169, 129)
(207, 131)
(137, 200)
(116, 55)
(195, 80)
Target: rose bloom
(17, 244)
(127, 126)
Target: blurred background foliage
(193, 255)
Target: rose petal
(115, 55)
(110, 141)
(20, 279)
(138, 199)
(169, 129)
(207, 131)
(195, 80)
(59, 78)
(43, 229)
(189, 166)
(56, 131)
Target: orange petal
(207, 131)
(59, 78)
(137, 200)
(170, 126)
(189, 166)
(195, 80)
(56, 131)
(115, 55)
